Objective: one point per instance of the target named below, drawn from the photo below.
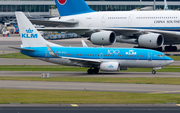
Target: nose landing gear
(153, 72)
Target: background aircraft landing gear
(157, 49)
(170, 48)
(153, 72)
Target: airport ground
(14, 40)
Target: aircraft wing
(52, 23)
(77, 30)
(77, 61)
(84, 44)
(170, 37)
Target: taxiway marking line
(74, 105)
(178, 104)
(165, 92)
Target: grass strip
(175, 58)
(132, 80)
(83, 97)
(40, 68)
(21, 56)
(15, 55)
(70, 68)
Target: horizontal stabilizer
(52, 23)
(22, 49)
(51, 52)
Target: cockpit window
(162, 55)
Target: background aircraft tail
(165, 5)
(72, 7)
(29, 35)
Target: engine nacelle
(151, 40)
(103, 38)
(109, 66)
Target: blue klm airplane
(104, 59)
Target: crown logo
(29, 31)
(110, 66)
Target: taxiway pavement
(80, 86)
(89, 109)
(84, 74)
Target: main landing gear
(93, 71)
(170, 48)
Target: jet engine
(109, 66)
(103, 38)
(151, 40)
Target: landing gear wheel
(170, 48)
(160, 49)
(153, 72)
(96, 70)
(90, 71)
(174, 48)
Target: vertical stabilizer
(29, 35)
(72, 7)
(165, 5)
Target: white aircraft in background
(148, 29)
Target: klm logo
(29, 34)
(110, 66)
(166, 8)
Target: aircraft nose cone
(169, 62)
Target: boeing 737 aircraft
(148, 29)
(105, 59)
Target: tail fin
(72, 7)
(165, 5)
(29, 35)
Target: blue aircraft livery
(29, 34)
(72, 7)
(104, 59)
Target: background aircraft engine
(103, 38)
(151, 40)
(109, 66)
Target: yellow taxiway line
(74, 105)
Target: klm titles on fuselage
(29, 34)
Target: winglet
(84, 44)
(51, 52)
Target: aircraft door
(47, 55)
(130, 17)
(149, 56)
(103, 20)
(101, 55)
(152, 26)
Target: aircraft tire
(175, 48)
(153, 72)
(96, 70)
(90, 71)
(170, 48)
